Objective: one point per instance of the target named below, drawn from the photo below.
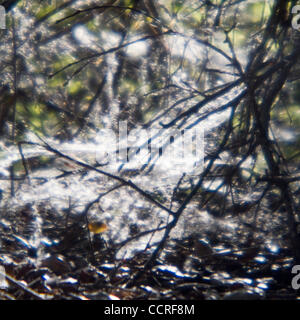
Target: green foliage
(44, 9)
(177, 6)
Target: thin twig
(22, 286)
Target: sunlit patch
(247, 280)
(205, 217)
(273, 248)
(69, 280)
(112, 39)
(125, 269)
(47, 242)
(107, 266)
(228, 224)
(137, 49)
(260, 259)
(222, 250)
(221, 276)
(275, 267)
(171, 269)
(191, 48)
(149, 289)
(263, 286)
(239, 253)
(283, 134)
(83, 36)
(213, 185)
(264, 283)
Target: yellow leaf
(97, 227)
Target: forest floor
(71, 263)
